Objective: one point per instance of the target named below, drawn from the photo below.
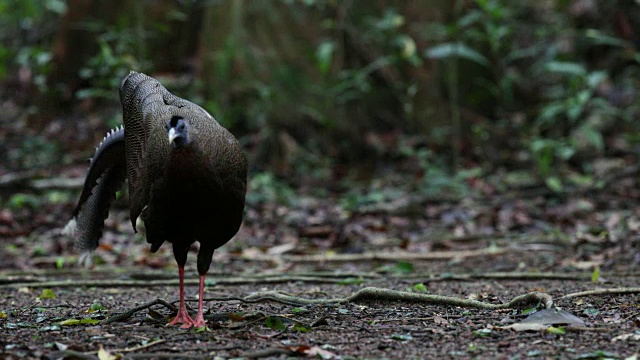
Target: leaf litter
(595, 239)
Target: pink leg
(182, 317)
(200, 318)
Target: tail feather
(90, 220)
(106, 175)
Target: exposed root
(373, 293)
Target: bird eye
(174, 121)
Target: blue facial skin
(178, 132)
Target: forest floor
(489, 247)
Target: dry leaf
(105, 355)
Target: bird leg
(199, 322)
(183, 317)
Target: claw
(184, 319)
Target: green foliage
(483, 83)
(22, 25)
(556, 330)
(266, 188)
(113, 61)
(18, 201)
(275, 323)
(420, 288)
(74, 322)
(401, 337)
(47, 294)
(595, 275)
(35, 151)
(351, 281)
(96, 307)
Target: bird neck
(188, 165)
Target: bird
(187, 179)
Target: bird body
(187, 177)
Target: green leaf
(420, 288)
(482, 332)
(351, 281)
(529, 311)
(88, 321)
(556, 330)
(19, 201)
(59, 262)
(73, 322)
(554, 183)
(47, 294)
(96, 307)
(591, 312)
(595, 275)
(299, 310)
(324, 55)
(274, 323)
(456, 50)
(69, 322)
(599, 38)
(402, 337)
(403, 267)
(56, 6)
(301, 328)
(566, 68)
(202, 329)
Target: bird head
(178, 131)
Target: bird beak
(172, 135)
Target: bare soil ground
(490, 249)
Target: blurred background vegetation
(436, 96)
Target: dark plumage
(187, 178)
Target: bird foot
(184, 319)
(199, 322)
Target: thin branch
(71, 354)
(268, 353)
(587, 329)
(612, 291)
(139, 347)
(380, 256)
(155, 283)
(129, 313)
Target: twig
(507, 276)
(130, 313)
(154, 283)
(612, 291)
(587, 329)
(268, 353)
(402, 319)
(381, 256)
(28, 179)
(168, 355)
(139, 347)
(71, 354)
